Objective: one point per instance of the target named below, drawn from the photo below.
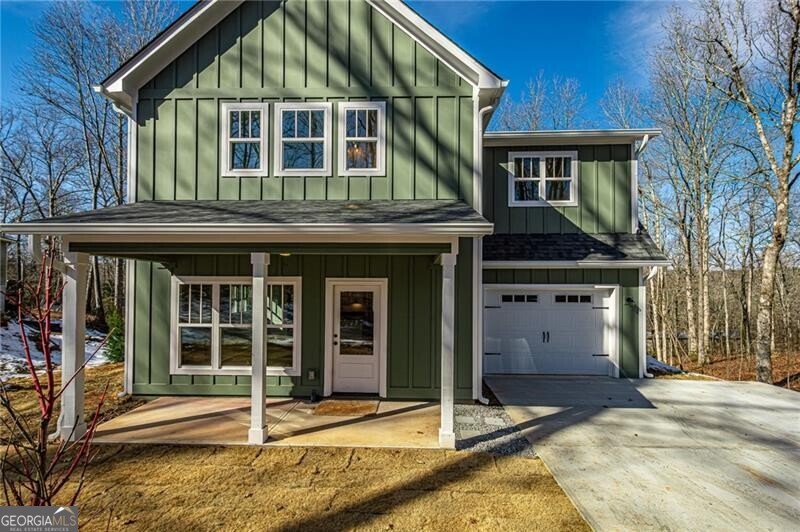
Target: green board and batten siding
(306, 51)
(604, 193)
(628, 281)
(309, 51)
(414, 336)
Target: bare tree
(557, 103)
(750, 53)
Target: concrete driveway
(665, 454)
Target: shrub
(115, 345)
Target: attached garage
(565, 330)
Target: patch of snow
(656, 367)
(12, 354)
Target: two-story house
(314, 207)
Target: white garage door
(547, 332)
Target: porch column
(258, 387)
(71, 423)
(447, 437)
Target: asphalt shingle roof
(571, 247)
(277, 212)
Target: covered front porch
(290, 422)
(269, 237)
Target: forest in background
(716, 189)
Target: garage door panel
(558, 333)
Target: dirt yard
(138, 487)
(785, 369)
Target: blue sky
(593, 41)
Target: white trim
(225, 141)
(133, 150)
(574, 178)
(447, 437)
(634, 188)
(477, 170)
(326, 139)
(544, 264)
(380, 139)
(157, 54)
(438, 44)
(203, 16)
(150, 231)
(610, 327)
(382, 319)
(130, 312)
(71, 421)
(259, 429)
(642, 315)
(567, 137)
(216, 367)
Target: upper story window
(542, 178)
(362, 138)
(244, 139)
(303, 134)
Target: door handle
(335, 342)
(542, 336)
(548, 337)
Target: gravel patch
(487, 428)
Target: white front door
(356, 338)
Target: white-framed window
(212, 325)
(243, 137)
(362, 138)
(537, 179)
(302, 139)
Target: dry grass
(144, 487)
(302, 489)
(24, 400)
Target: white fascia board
(538, 265)
(198, 20)
(438, 44)
(123, 84)
(154, 230)
(571, 137)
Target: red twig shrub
(35, 472)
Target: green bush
(115, 345)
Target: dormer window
(244, 139)
(303, 133)
(362, 138)
(539, 179)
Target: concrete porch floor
(225, 421)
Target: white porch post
(258, 387)
(72, 424)
(447, 437)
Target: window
(243, 136)
(519, 298)
(303, 131)
(212, 326)
(362, 138)
(543, 178)
(573, 298)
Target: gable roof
(121, 85)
